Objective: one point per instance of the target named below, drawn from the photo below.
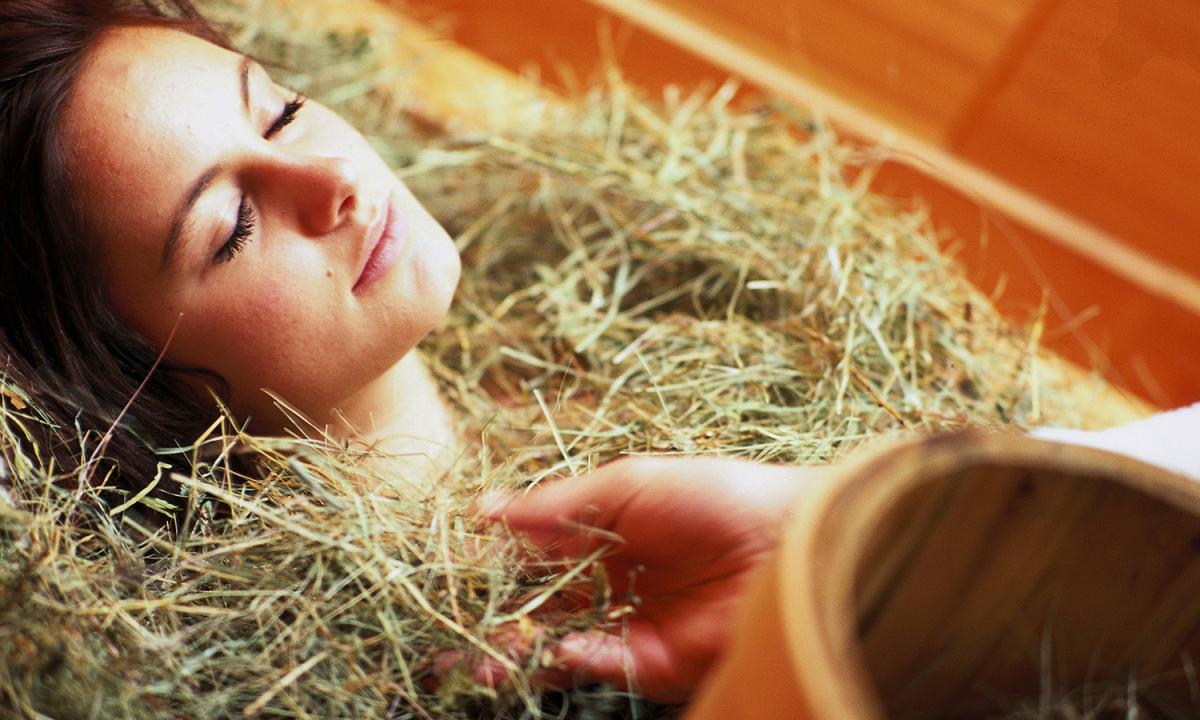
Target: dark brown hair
(59, 339)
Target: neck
(402, 414)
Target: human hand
(690, 531)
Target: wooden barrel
(968, 574)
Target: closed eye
(243, 228)
(290, 111)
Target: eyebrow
(206, 178)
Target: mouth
(386, 237)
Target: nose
(321, 190)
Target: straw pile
(667, 277)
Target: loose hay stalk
(675, 278)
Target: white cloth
(1170, 439)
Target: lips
(387, 238)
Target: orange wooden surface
(916, 63)
(1085, 104)
(553, 38)
(1100, 116)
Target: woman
(177, 226)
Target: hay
(668, 277)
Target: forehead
(148, 113)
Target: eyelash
(246, 219)
(242, 230)
(290, 111)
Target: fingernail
(574, 643)
(577, 645)
(491, 503)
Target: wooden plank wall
(1063, 134)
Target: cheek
(243, 317)
(256, 336)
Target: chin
(439, 274)
(427, 299)
(445, 297)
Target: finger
(484, 671)
(490, 505)
(596, 657)
(520, 644)
(443, 664)
(489, 673)
(591, 501)
(639, 663)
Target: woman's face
(273, 236)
